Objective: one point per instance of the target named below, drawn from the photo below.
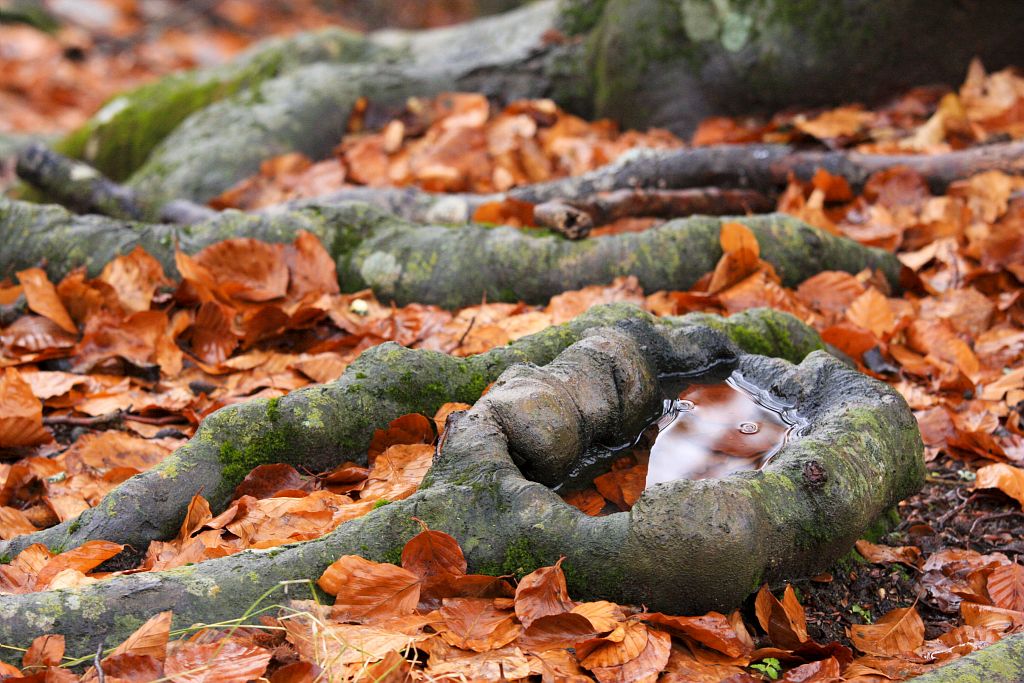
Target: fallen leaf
(366, 590)
(899, 631)
(43, 299)
(784, 621)
(1006, 587)
(1006, 478)
(872, 552)
(541, 593)
(21, 413)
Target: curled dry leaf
(873, 552)
(150, 639)
(645, 667)
(741, 256)
(712, 630)
(898, 632)
(1006, 478)
(784, 621)
(541, 593)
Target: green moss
(75, 525)
(273, 409)
(126, 623)
(381, 503)
(520, 559)
(394, 555)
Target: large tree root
(320, 427)
(685, 546)
(406, 262)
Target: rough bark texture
(406, 262)
(1002, 662)
(685, 546)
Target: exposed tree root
(781, 521)
(406, 262)
(320, 427)
(1001, 662)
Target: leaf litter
(105, 376)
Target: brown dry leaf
(266, 480)
(872, 552)
(900, 631)
(441, 416)
(871, 310)
(397, 473)
(506, 664)
(557, 631)
(220, 662)
(407, 429)
(605, 616)
(21, 413)
(13, 522)
(84, 558)
(313, 271)
(150, 639)
(566, 306)
(430, 554)
(477, 624)
(246, 269)
(644, 668)
(43, 652)
(989, 617)
(366, 590)
(830, 291)
(541, 593)
(821, 671)
(784, 621)
(213, 339)
(135, 278)
(620, 646)
(712, 630)
(43, 299)
(1006, 587)
(343, 649)
(836, 123)
(1006, 478)
(741, 256)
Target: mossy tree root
(686, 546)
(408, 262)
(319, 427)
(1002, 662)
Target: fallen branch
(582, 214)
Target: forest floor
(104, 377)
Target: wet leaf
(430, 553)
(477, 624)
(872, 552)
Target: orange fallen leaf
(43, 299)
(784, 620)
(150, 639)
(741, 255)
(900, 631)
(21, 413)
(1006, 587)
(366, 590)
(1006, 478)
(542, 592)
(872, 552)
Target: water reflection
(711, 430)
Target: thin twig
(101, 677)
